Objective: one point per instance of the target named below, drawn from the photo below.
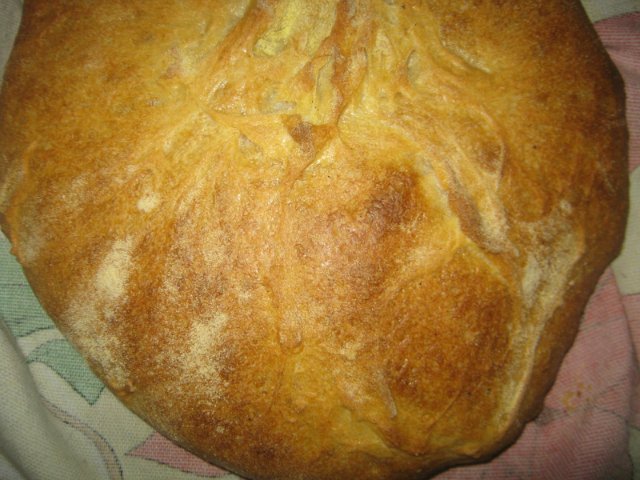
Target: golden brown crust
(305, 239)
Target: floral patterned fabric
(57, 420)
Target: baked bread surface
(316, 240)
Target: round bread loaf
(316, 240)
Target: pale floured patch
(91, 334)
(545, 280)
(148, 202)
(546, 274)
(31, 241)
(214, 252)
(92, 313)
(350, 350)
(78, 191)
(531, 281)
(10, 182)
(34, 234)
(201, 360)
(205, 332)
(112, 276)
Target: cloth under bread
(57, 421)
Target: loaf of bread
(316, 239)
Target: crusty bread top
(305, 239)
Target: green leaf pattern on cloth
(19, 307)
(62, 358)
(22, 313)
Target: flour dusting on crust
(113, 273)
(148, 202)
(91, 315)
(90, 332)
(202, 357)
